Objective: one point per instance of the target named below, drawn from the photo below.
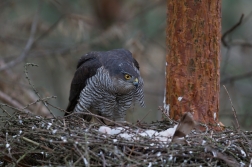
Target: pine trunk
(193, 59)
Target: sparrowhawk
(106, 83)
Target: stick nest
(36, 141)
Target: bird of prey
(106, 84)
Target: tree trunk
(193, 59)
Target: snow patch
(163, 136)
(180, 98)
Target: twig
(36, 92)
(87, 159)
(234, 111)
(82, 157)
(230, 30)
(37, 144)
(31, 41)
(246, 138)
(62, 110)
(103, 160)
(206, 127)
(165, 114)
(24, 155)
(47, 32)
(1, 106)
(28, 45)
(84, 143)
(144, 116)
(43, 99)
(98, 116)
(237, 77)
(7, 99)
(17, 109)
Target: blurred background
(54, 34)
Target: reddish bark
(193, 58)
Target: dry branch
(73, 141)
(230, 31)
(233, 109)
(27, 48)
(9, 100)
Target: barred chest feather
(100, 97)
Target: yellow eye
(126, 76)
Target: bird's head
(131, 79)
(126, 78)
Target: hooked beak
(135, 83)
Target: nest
(36, 141)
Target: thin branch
(82, 143)
(25, 154)
(31, 42)
(4, 111)
(230, 30)
(47, 32)
(36, 144)
(237, 77)
(139, 121)
(43, 99)
(9, 100)
(100, 117)
(36, 92)
(28, 45)
(234, 111)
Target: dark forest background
(54, 34)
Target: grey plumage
(106, 84)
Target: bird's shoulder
(86, 68)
